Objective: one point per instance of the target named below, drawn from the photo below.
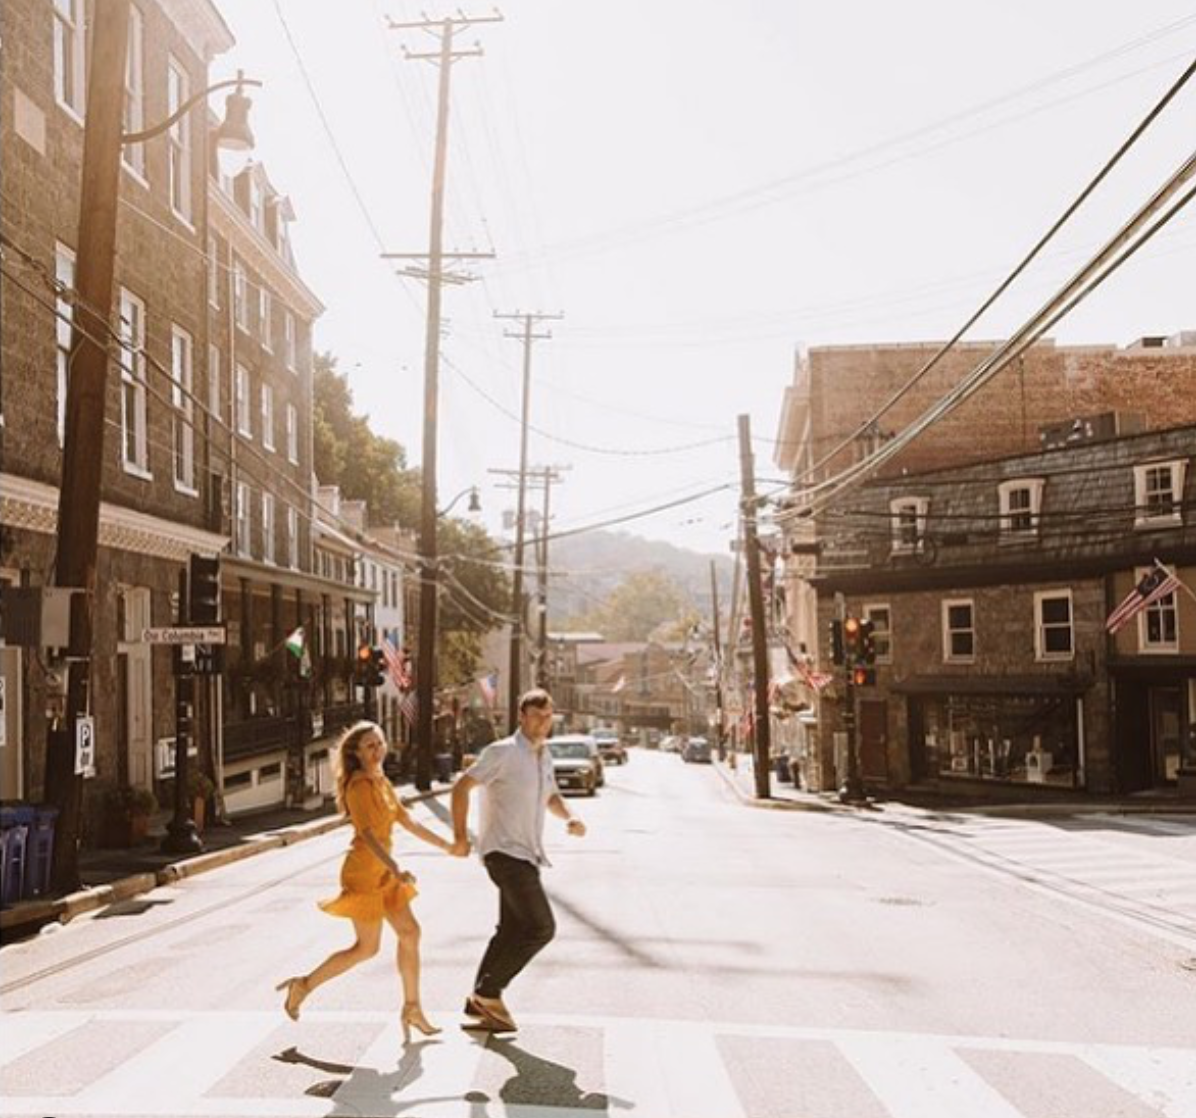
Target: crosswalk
(228, 1065)
(1138, 883)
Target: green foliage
(122, 801)
(639, 605)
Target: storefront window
(1027, 739)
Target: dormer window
(1021, 503)
(1158, 493)
(908, 519)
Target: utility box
(37, 616)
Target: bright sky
(702, 188)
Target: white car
(576, 763)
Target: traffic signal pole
(181, 835)
(852, 789)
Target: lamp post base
(851, 791)
(182, 838)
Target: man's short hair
(537, 697)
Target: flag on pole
(489, 687)
(396, 663)
(620, 683)
(1157, 583)
(296, 643)
(409, 708)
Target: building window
(1021, 503)
(267, 526)
(241, 522)
(134, 420)
(268, 416)
(882, 631)
(908, 519)
(1158, 493)
(1158, 623)
(292, 537)
(240, 295)
(257, 210)
(292, 434)
(288, 339)
(64, 273)
(178, 89)
(182, 385)
(959, 632)
(265, 319)
(1054, 638)
(244, 422)
(213, 272)
(69, 54)
(134, 115)
(214, 381)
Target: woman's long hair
(347, 760)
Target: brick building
(989, 601)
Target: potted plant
(126, 815)
(200, 789)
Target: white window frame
(1164, 607)
(134, 402)
(214, 380)
(70, 56)
(240, 294)
(242, 522)
(257, 203)
(1011, 526)
(267, 396)
(883, 638)
(64, 273)
(1143, 517)
(133, 155)
(213, 272)
(900, 509)
(244, 420)
(268, 526)
(178, 138)
(1041, 652)
(292, 537)
(265, 318)
(292, 434)
(289, 346)
(950, 656)
(182, 375)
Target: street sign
(184, 634)
(85, 745)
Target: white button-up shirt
(517, 783)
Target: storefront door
(874, 742)
(1165, 721)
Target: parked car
(670, 743)
(576, 763)
(698, 750)
(610, 749)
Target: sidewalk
(111, 875)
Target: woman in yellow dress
(373, 887)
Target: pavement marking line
(25, 1031)
(1163, 1080)
(631, 1073)
(915, 1079)
(178, 1068)
(693, 1074)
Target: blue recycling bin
(39, 853)
(14, 825)
(444, 767)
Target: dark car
(576, 763)
(610, 749)
(697, 750)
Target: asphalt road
(712, 961)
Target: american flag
(409, 708)
(400, 672)
(813, 679)
(1157, 583)
(489, 687)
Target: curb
(65, 909)
(775, 804)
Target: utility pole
(549, 475)
(719, 741)
(79, 491)
(763, 733)
(436, 276)
(527, 336)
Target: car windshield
(573, 750)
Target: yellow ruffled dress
(368, 889)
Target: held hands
(576, 828)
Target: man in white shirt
(519, 787)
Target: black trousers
(525, 923)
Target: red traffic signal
(851, 639)
(863, 677)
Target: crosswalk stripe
(694, 1076)
(179, 1067)
(632, 1075)
(25, 1031)
(913, 1079)
(1163, 1080)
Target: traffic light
(863, 677)
(837, 642)
(203, 590)
(377, 673)
(851, 640)
(867, 641)
(363, 663)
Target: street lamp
(475, 502)
(83, 442)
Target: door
(136, 719)
(874, 741)
(1165, 720)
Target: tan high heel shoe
(413, 1017)
(297, 990)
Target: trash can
(15, 823)
(444, 767)
(39, 853)
(781, 768)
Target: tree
(641, 603)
